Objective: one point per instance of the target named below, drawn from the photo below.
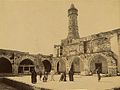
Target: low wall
(20, 85)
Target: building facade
(80, 54)
(86, 54)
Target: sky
(35, 26)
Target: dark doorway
(5, 65)
(26, 66)
(47, 65)
(98, 65)
(61, 67)
(75, 66)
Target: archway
(99, 61)
(75, 65)
(47, 65)
(26, 66)
(61, 66)
(5, 65)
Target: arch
(25, 57)
(47, 65)
(76, 65)
(61, 66)
(5, 65)
(26, 66)
(98, 61)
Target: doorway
(5, 65)
(47, 65)
(98, 65)
(26, 66)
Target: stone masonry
(84, 55)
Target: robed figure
(98, 73)
(63, 77)
(40, 74)
(33, 76)
(45, 77)
(71, 73)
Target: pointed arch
(98, 61)
(47, 65)
(76, 65)
(61, 66)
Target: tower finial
(72, 6)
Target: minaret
(73, 25)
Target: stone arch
(76, 65)
(5, 65)
(47, 65)
(98, 61)
(25, 66)
(25, 57)
(61, 66)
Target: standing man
(33, 76)
(64, 76)
(45, 77)
(40, 73)
(61, 77)
(71, 78)
(98, 73)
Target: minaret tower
(73, 24)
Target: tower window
(85, 47)
(70, 40)
(61, 49)
(57, 52)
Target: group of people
(41, 74)
(44, 76)
(62, 77)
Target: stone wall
(15, 58)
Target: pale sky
(36, 25)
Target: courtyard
(79, 83)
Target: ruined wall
(107, 43)
(97, 45)
(93, 44)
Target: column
(23, 69)
(29, 69)
(15, 69)
(86, 68)
(67, 66)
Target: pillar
(23, 69)
(15, 69)
(67, 66)
(112, 69)
(86, 70)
